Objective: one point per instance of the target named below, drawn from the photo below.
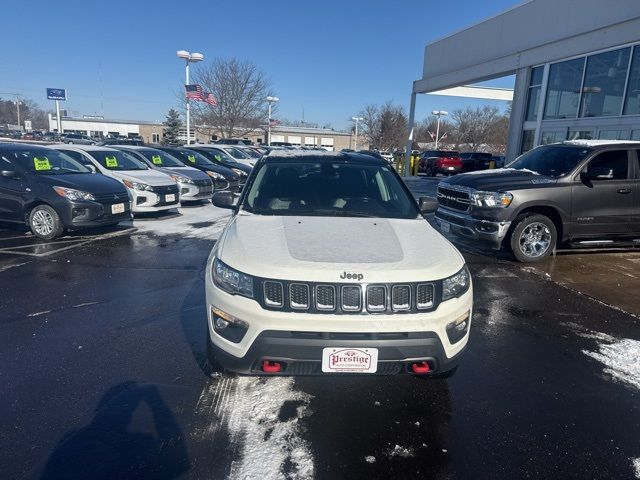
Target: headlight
(237, 171)
(181, 179)
(491, 199)
(456, 285)
(231, 280)
(138, 186)
(73, 194)
(215, 176)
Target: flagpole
(188, 106)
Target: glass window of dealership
(596, 96)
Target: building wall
(152, 133)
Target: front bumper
(191, 192)
(464, 225)
(91, 214)
(149, 201)
(297, 339)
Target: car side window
(615, 160)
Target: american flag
(210, 99)
(274, 122)
(194, 92)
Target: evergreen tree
(172, 128)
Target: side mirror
(9, 174)
(428, 204)
(224, 200)
(597, 173)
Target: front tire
(45, 222)
(533, 238)
(429, 171)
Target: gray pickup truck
(578, 193)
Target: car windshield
(45, 162)
(551, 160)
(116, 160)
(216, 155)
(236, 153)
(328, 188)
(191, 157)
(251, 152)
(160, 158)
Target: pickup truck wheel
(428, 171)
(533, 238)
(45, 222)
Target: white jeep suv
(328, 266)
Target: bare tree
(476, 127)
(240, 88)
(425, 131)
(384, 126)
(29, 110)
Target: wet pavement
(104, 376)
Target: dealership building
(576, 65)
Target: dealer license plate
(349, 360)
(170, 198)
(445, 226)
(117, 208)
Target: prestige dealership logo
(350, 359)
(352, 276)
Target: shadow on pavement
(109, 448)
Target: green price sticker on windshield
(156, 160)
(217, 157)
(41, 163)
(191, 158)
(111, 162)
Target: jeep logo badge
(352, 276)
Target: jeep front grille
(424, 296)
(273, 295)
(326, 298)
(376, 298)
(299, 296)
(351, 298)
(348, 298)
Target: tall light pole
(356, 119)
(270, 100)
(438, 113)
(189, 58)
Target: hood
(321, 249)
(87, 182)
(227, 172)
(499, 180)
(150, 177)
(192, 173)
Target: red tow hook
(271, 367)
(420, 367)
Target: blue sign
(56, 94)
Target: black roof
(14, 146)
(294, 156)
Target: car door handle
(624, 190)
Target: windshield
(551, 160)
(116, 160)
(217, 156)
(312, 188)
(251, 152)
(191, 157)
(45, 162)
(160, 158)
(236, 153)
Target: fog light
(228, 326)
(457, 329)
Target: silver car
(194, 185)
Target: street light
(270, 100)
(356, 119)
(438, 113)
(189, 58)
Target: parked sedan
(51, 192)
(151, 190)
(223, 178)
(78, 139)
(219, 156)
(193, 184)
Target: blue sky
(330, 58)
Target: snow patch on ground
(636, 466)
(621, 357)
(264, 422)
(398, 451)
(204, 221)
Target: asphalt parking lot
(104, 374)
